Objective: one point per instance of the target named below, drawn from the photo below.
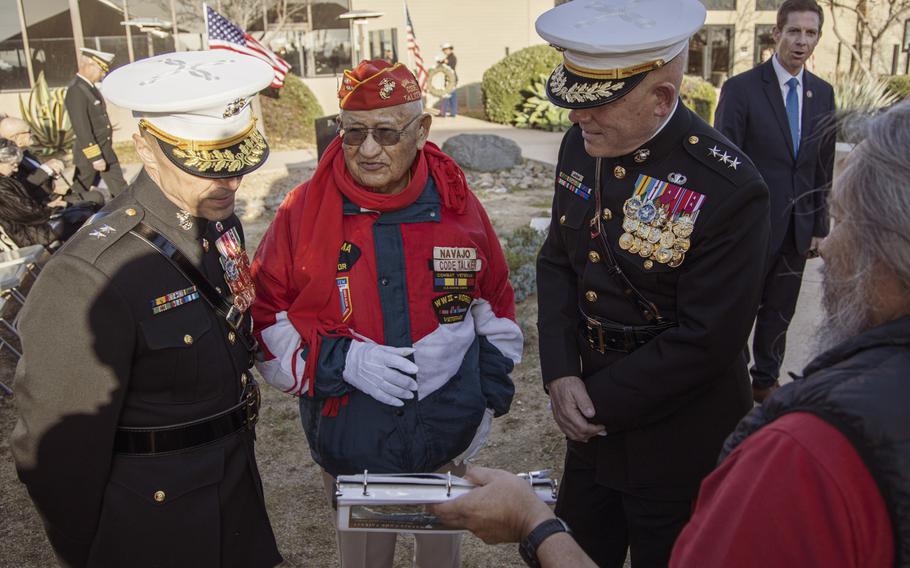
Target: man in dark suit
(93, 150)
(782, 116)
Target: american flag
(224, 34)
(414, 49)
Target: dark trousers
(607, 523)
(778, 304)
(86, 176)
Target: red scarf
(316, 312)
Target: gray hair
(9, 152)
(871, 198)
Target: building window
(13, 64)
(50, 40)
(313, 40)
(711, 54)
(102, 30)
(719, 4)
(768, 4)
(764, 43)
(384, 44)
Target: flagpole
(205, 20)
(407, 47)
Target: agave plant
(46, 116)
(853, 92)
(538, 112)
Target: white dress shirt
(782, 77)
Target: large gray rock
(483, 152)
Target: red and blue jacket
(424, 277)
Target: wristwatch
(543, 531)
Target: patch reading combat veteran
(455, 259)
(174, 299)
(350, 253)
(454, 281)
(452, 308)
(344, 291)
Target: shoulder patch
(102, 230)
(722, 157)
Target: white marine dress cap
(609, 46)
(197, 104)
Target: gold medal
(667, 239)
(646, 249)
(631, 206)
(676, 261)
(663, 255)
(643, 231)
(636, 245)
(681, 244)
(654, 236)
(684, 227)
(630, 225)
(625, 241)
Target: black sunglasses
(382, 136)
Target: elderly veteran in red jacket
(384, 303)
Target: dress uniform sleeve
(37, 175)
(825, 170)
(78, 340)
(717, 296)
(78, 109)
(732, 110)
(557, 301)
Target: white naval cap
(609, 46)
(102, 58)
(198, 105)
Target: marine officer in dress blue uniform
(649, 278)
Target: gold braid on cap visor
(621, 73)
(214, 155)
(101, 63)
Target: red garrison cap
(377, 84)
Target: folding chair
(29, 255)
(11, 275)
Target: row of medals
(650, 233)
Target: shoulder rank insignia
(724, 157)
(573, 182)
(102, 232)
(658, 220)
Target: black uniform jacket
(88, 115)
(668, 405)
(39, 183)
(96, 357)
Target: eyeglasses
(382, 136)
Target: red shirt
(795, 493)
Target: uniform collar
(662, 143)
(150, 196)
(87, 82)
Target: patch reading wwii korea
(452, 308)
(659, 219)
(455, 259)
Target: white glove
(374, 369)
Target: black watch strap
(546, 529)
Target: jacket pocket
(161, 511)
(168, 370)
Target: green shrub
(700, 96)
(538, 112)
(853, 92)
(289, 117)
(503, 82)
(899, 85)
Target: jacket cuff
(330, 367)
(92, 152)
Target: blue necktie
(793, 112)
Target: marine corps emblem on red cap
(377, 84)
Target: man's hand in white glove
(381, 371)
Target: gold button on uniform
(232, 337)
(693, 139)
(619, 172)
(188, 339)
(593, 256)
(562, 220)
(205, 245)
(591, 296)
(130, 212)
(607, 214)
(160, 496)
(649, 264)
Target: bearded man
(383, 302)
